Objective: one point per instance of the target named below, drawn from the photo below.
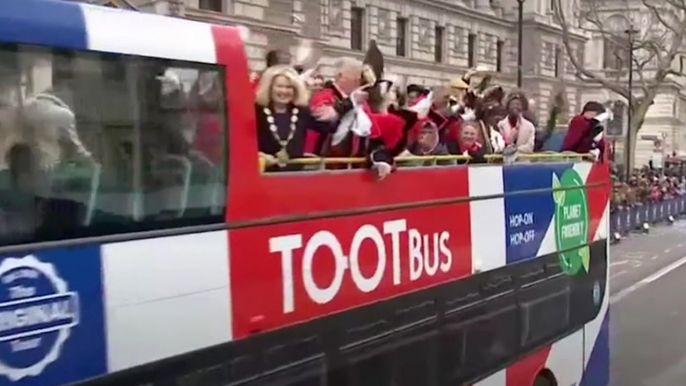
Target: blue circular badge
(37, 313)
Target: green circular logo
(571, 221)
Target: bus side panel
(166, 296)
(69, 314)
(597, 346)
(541, 222)
(531, 231)
(289, 273)
(52, 323)
(597, 338)
(597, 332)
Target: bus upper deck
(133, 254)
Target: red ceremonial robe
(389, 135)
(319, 144)
(475, 150)
(255, 81)
(434, 115)
(580, 135)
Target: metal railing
(320, 163)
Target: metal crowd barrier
(639, 217)
(320, 163)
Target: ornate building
(427, 42)
(662, 132)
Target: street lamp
(520, 41)
(631, 32)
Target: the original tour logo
(571, 222)
(37, 313)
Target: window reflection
(95, 144)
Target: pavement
(648, 308)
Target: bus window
(101, 144)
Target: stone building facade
(431, 41)
(424, 41)
(666, 118)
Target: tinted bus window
(96, 144)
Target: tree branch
(581, 70)
(653, 50)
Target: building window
(558, 62)
(615, 55)
(471, 50)
(401, 40)
(211, 5)
(499, 55)
(438, 44)
(356, 28)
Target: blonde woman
(283, 117)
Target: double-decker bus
(141, 245)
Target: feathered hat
(373, 64)
(490, 102)
(372, 75)
(493, 94)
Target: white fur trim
(244, 32)
(423, 107)
(468, 114)
(602, 118)
(303, 52)
(356, 121)
(171, 82)
(497, 141)
(307, 75)
(383, 88)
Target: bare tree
(651, 35)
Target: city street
(648, 308)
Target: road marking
(621, 262)
(625, 292)
(654, 257)
(655, 276)
(667, 250)
(617, 274)
(665, 270)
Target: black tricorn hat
(373, 64)
(421, 90)
(372, 75)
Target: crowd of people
(364, 113)
(647, 185)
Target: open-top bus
(142, 259)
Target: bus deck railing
(320, 163)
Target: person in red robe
(449, 109)
(389, 138)
(417, 95)
(331, 104)
(581, 130)
(468, 144)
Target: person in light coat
(517, 131)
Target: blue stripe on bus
(43, 22)
(528, 216)
(597, 370)
(53, 314)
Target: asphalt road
(648, 308)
